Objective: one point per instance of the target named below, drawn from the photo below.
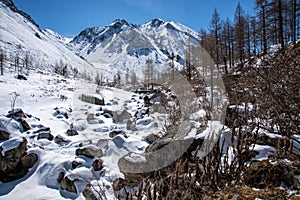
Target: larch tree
(2, 58)
(215, 28)
(239, 24)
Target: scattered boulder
(18, 115)
(108, 113)
(61, 113)
(15, 162)
(131, 126)
(71, 132)
(93, 99)
(121, 117)
(89, 151)
(97, 164)
(21, 77)
(45, 135)
(42, 129)
(90, 117)
(60, 177)
(66, 183)
(17, 112)
(60, 139)
(103, 144)
(147, 100)
(75, 164)
(117, 132)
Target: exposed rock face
(14, 164)
(90, 152)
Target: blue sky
(70, 17)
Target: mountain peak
(156, 22)
(120, 23)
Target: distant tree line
(18, 60)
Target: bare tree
(2, 58)
(215, 28)
(240, 23)
(133, 78)
(149, 72)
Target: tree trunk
(280, 18)
(264, 31)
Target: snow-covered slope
(19, 34)
(121, 45)
(62, 39)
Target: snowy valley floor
(77, 143)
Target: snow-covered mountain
(21, 36)
(121, 45)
